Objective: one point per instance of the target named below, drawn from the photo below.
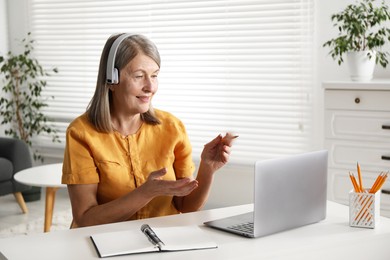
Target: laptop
(290, 192)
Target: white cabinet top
(376, 84)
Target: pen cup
(364, 209)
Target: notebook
(290, 192)
(148, 240)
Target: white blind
(242, 66)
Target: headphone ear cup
(112, 73)
(115, 76)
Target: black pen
(148, 231)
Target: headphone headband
(112, 75)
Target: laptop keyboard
(243, 227)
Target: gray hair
(98, 110)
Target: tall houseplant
(21, 102)
(362, 34)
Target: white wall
(3, 27)
(3, 38)
(16, 14)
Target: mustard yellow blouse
(121, 164)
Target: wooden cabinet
(357, 129)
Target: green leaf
(361, 26)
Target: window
(241, 66)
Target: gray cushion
(6, 169)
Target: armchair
(14, 156)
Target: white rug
(61, 221)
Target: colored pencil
(360, 177)
(380, 184)
(377, 181)
(354, 183)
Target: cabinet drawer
(345, 155)
(357, 100)
(358, 125)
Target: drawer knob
(384, 157)
(387, 127)
(357, 100)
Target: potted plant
(21, 103)
(362, 34)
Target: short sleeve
(78, 165)
(183, 165)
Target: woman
(124, 160)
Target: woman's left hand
(216, 153)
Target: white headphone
(112, 75)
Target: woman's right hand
(156, 186)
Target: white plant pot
(361, 67)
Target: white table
(332, 238)
(48, 176)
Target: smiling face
(138, 83)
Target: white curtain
(244, 66)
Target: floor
(11, 214)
